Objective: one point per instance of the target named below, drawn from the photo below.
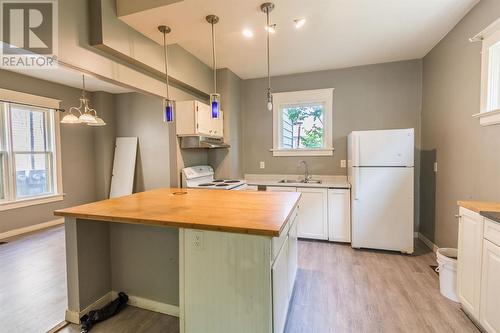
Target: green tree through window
(302, 126)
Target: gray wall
(379, 96)
(141, 116)
(468, 155)
(228, 162)
(77, 144)
(104, 143)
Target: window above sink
(302, 123)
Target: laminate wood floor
(33, 282)
(132, 320)
(338, 289)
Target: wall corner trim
(428, 243)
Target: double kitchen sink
(301, 181)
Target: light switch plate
(262, 164)
(343, 163)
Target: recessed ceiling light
(247, 33)
(271, 28)
(299, 23)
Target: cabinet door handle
(457, 216)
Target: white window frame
(489, 37)
(8, 97)
(322, 96)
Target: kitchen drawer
(277, 242)
(492, 231)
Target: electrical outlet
(262, 164)
(436, 167)
(198, 240)
(343, 163)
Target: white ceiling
(337, 34)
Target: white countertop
(272, 180)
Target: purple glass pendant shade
(215, 109)
(168, 116)
(215, 105)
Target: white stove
(202, 176)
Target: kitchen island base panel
(227, 281)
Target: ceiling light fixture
(86, 115)
(214, 97)
(247, 33)
(267, 7)
(168, 104)
(271, 28)
(299, 23)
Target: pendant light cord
(213, 58)
(83, 85)
(268, 65)
(165, 56)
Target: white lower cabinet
(313, 222)
(339, 215)
(293, 248)
(490, 286)
(231, 282)
(470, 244)
(478, 271)
(283, 273)
(324, 213)
(280, 288)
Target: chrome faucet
(307, 176)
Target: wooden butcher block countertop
(259, 213)
(480, 206)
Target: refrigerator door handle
(355, 143)
(356, 184)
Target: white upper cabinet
(470, 243)
(194, 118)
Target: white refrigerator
(380, 170)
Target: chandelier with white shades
(83, 114)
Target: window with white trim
(302, 123)
(490, 74)
(28, 153)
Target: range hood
(204, 142)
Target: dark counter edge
(494, 216)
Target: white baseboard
(74, 316)
(31, 228)
(150, 305)
(138, 302)
(427, 242)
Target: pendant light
(84, 114)
(168, 104)
(267, 7)
(214, 97)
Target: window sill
(7, 205)
(488, 118)
(303, 152)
